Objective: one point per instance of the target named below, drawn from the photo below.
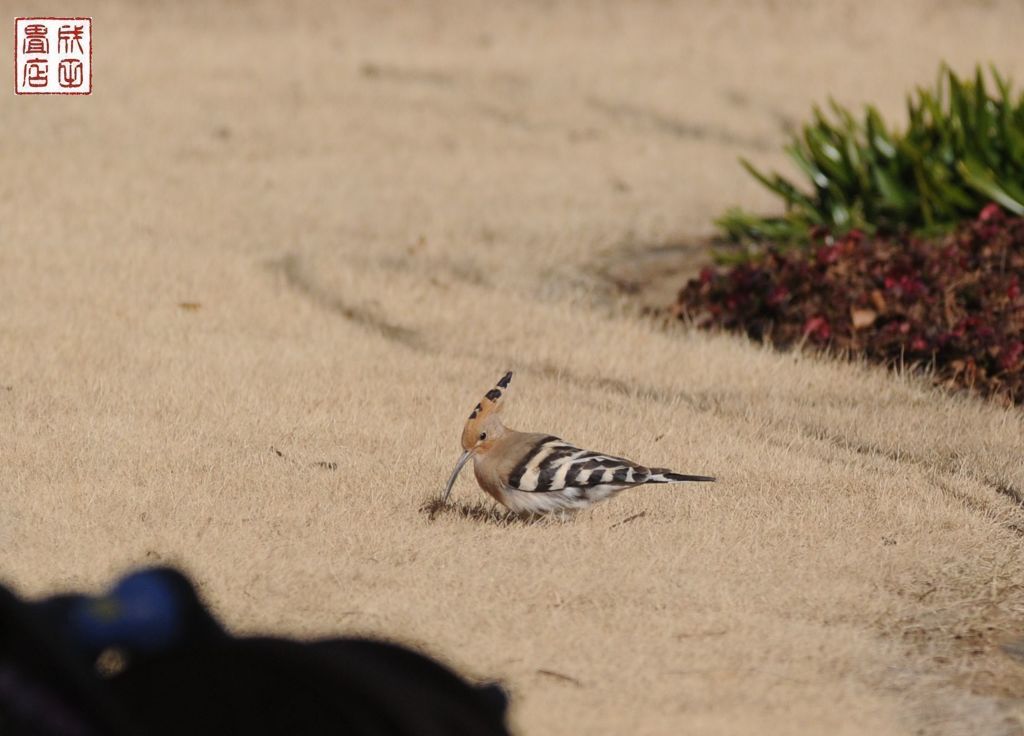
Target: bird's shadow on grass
(479, 511)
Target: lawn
(251, 291)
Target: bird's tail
(664, 475)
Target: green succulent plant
(962, 148)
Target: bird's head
(482, 428)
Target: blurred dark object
(172, 669)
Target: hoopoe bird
(538, 473)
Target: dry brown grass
(366, 232)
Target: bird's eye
(483, 436)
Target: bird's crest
(492, 400)
(490, 404)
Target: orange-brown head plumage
(483, 424)
(482, 428)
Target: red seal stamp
(53, 56)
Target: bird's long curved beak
(455, 474)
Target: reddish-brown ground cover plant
(954, 304)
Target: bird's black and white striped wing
(553, 465)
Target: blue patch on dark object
(142, 613)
